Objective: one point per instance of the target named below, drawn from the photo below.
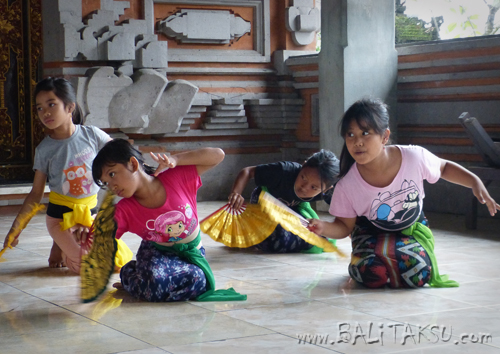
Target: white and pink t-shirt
(175, 220)
(396, 206)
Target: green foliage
(467, 26)
(412, 29)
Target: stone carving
(303, 20)
(67, 38)
(145, 102)
(95, 92)
(174, 104)
(222, 115)
(131, 106)
(204, 26)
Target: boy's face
(308, 183)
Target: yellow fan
(293, 222)
(24, 219)
(240, 228)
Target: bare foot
(55, 258)
(118, 285)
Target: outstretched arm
(204, 159)
(453, 172)
(339, 228)
(241, 181)
(34, 196)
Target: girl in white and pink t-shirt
(379, 200)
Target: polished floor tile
(265, 344)
(297, 303)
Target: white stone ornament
(100, 37)
(145, 102)
(204, 26)
(303, 21)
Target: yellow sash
(81, 209)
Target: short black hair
(327, 164)
(114, 152)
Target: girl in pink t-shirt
(379, 200)
(159, 206)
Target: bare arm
(241, 181)
(34, 196)
(339, 228)
(204, 159)
(453, 172)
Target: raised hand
(163, 161)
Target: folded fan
(293, 222)
(242, 228)
(22, 223)
(99, 263)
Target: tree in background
(446, 19)
(413, 29)
(490, 27)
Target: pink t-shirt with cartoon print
(172, 222)
(396, 206)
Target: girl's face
(308, 183)
(364, 144)
(120, 179)
(52, 112)
(175, 229)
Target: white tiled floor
(288, 295)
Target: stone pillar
(357, 58)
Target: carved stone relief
(260, 32)
(303, 20)
(145, 102)
(68, 38)
(204, 26)
(136, 98)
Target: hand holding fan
(293, 222)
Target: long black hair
(63, 89)
(369, 113)
(114, 152)
(327, 165)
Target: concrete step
(14, 194)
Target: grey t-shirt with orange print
(68, 162)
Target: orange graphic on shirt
(78, 181)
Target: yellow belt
(81, 209)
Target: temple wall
(177, 75)
(437, 82)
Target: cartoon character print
(78, 180)
(397, 210)
(171, 226)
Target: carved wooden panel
(20, 51)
